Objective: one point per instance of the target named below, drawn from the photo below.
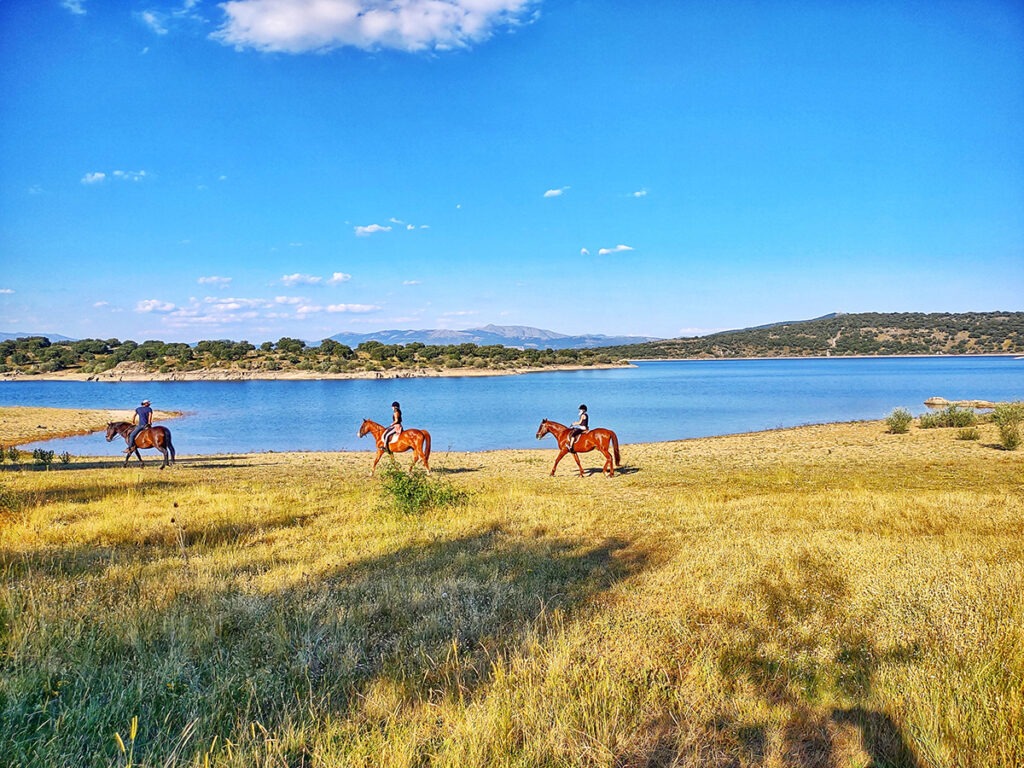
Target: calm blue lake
(654, 401)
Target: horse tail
(615, 445)
(426, 444)
(170, 445)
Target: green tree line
(38, 355)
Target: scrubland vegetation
(822, 596)
(863, 333)
(37, 355)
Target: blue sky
(263, 168)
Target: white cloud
(154, 305)
(616, 249)
(310, 309)
(155, 21)
(584, 252)
(6, 291)
(77, 7)
(96, 177)
(130, 175)
(301, 26)
(358, 308)
(298, 279)
(639, 193)
(101, 304)
(223, 282)
(338, 277)
(371, 229)
(411, 282)
(556, 192)
(288, 300)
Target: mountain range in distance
(518, 336)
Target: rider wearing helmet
(396, 426)
(578, 427)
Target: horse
(600, 439)
(150, 437)
(416, 440)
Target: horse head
(112, 431)
(365, 427)
(543, 429)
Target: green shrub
(13, 455)
(968, 433)
(899, 421)
(953, 416)
(415, 491)
(65, 458)
(9, 500)
(43, 457)
(1008, 417)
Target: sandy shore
(28, 424)
(130, 374)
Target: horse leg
(164, 452)
(380, 452)
(561, 453)
(576, 455)
(609, 464)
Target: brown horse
(416, 440)
(603, 440)
(151, 437)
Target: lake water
(654, 401)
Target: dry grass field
(822, 596)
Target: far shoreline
(128, 375)
(219, 375)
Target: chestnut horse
(416, 440)
(150, 437)
(600, 439)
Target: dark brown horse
(416, 440)
(150, 437)
(600, 439)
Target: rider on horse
(396, 426)
(144, 417)
(578, 427)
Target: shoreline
(115, 376)
(132, 374)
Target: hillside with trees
(867, 333)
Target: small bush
(1008, 417)
(43, 457)
(416, 491)
(65, 458)
(968, 433)
(13, 455)
(9, 500)
(899, 421)
(952, 416)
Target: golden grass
(822, 596)
(25, 424)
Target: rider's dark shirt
(145, 414)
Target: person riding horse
(578, 427)
(396, 426)
(144, 418)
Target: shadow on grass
(801, 647)
(427, 620)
